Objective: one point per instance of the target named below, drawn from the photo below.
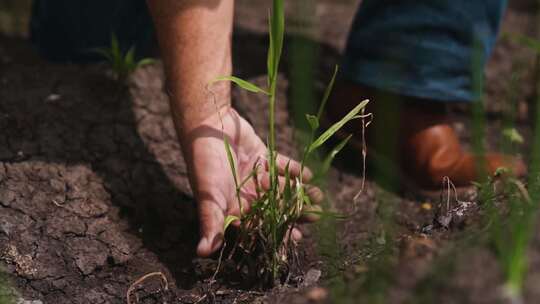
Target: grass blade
(233, 170)
(271, 57)
(327, 92)
(246, 85)
(129, 60)
(231, 160)
(338, 125)
(513, 135)
(252, 174)
(228, 221)
(115, 46)
(330, 157)
(329, 214)
(313, 122)
(287, 192)
(145, 61)
(277, 31)
(103, 52)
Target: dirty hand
(211, 177)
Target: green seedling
(262, 242)
(512, 229)
(122, 63)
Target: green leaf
(103, 52)
(145, 61)
(246, 85)
(270, 59)
(229, 219)
(287, 192)
(306, 199)
(327, 92)
(328, 214)
(115, 46)
(129, 59)
(313, 121)
(513, 135)
(252, 174)
(277, 31)
(477, 184)
(330, 157)
(231, 160)
(338, 125)
(501, 171)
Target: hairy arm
(195, 41)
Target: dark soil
(94, 193)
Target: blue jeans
(427, 49)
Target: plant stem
(273, 197)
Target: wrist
(191, 111)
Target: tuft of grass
(511, 226)
(122, 63)
(262, 242)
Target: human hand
(211, 177)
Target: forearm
(195, 42)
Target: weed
(122, 63)
(262, 241)
(511, 226)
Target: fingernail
(202, 247)
(217, 241)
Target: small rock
(445, 220)
(24, 264)
(88, 254)
(53, 97)
(312, 276)
(427, 229)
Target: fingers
(315, 194)
(211, 218)
(234, 209)
(264, 181)
(295, 234)
(294, 167)
(311, 214)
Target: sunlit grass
(122, 63)
(262, 240)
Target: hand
(211, 176)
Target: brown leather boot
(416, 137)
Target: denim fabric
(422, 48)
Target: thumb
(211, 217)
